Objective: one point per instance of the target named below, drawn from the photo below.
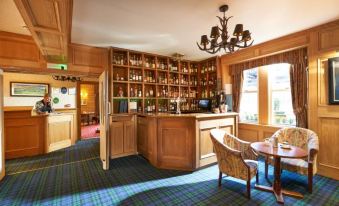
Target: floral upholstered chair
(305, 139)
(235, 157)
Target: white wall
(36, 78)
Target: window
(249, 97)
(280, 92)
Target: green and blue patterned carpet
(74, 176)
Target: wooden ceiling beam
(49, 22)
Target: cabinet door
(206, 145)
(129, 137)
(142, 138)
(117, 138)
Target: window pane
(249, 107)
(249, 97)
(281, 100)
(250, 80)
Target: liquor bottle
(131, 92)
(151, 92)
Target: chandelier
(220, 38)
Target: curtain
(298, 80)
(298, 76)
(237, 80)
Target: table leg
(276, 188)
(277, 180)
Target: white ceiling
(10, 18)
(165, 27)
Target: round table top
(268, 149)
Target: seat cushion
(253, 166)
(294, 165)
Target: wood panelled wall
(322, 43)
(19, 53)
(92, 91)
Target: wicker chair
(235, 157)
(305, 139)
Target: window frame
(265, 112)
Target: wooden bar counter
(174, 141)
(29, 134)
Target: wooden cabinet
(24, 134)
(205, 149)
(123, 136)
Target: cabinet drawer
(209, 124)
(226, 122)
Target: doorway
(89, 110)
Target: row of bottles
(150, 106)
(184, 80)
(135, 75)
(173, 92)
(184, 68)
(135, 60)
(174, 79)
(119, 59)
(193, 94)
(135, 91)
(209, 67)
(194, 68)
(162, 64)
(212, 80)
(184, 106)
(149, 77)
(193, 81)
(162, 106)
(149, 62)
(184, 93)
(149, 92)
(162, 91)
(162, 78)
(203, 81)
(173, 67)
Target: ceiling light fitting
(66, 78)
(240, 39)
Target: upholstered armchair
(305, 139)
(235, 157)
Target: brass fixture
(240, 39)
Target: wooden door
(142, 136)
(117, 140)
(129, 137)
(104, 106)
(2, 148)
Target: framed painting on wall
(333, 80)
(23, 89)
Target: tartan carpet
(133, 181)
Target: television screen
(205, 104)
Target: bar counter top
(188, 115)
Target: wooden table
(277, 153)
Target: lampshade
(215, 32)
(246, 36)
(238, 30)
(233, 41)
(204, 40)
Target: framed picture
(23, 89)
(333, 78)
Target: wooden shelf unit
(152, 81)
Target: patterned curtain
(298, 80)
(237, 80)
(298, 75)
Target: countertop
(29, 108)
(190, 115)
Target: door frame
(79, 83)
(2, 135)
